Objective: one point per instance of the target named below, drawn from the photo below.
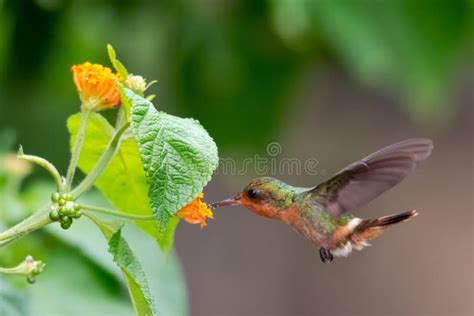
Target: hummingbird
(323, 214)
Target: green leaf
(164, 272)
(119, 67)
(178, 155)
(136, 279)
(131, 268)
(125, 102)
(167, 238)
(123, 182)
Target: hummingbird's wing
(364, 180)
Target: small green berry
(31, 279)
(77, 207)
(65, 225)
(61, 201)
(77, 215)
(61, 210)
(54, 215)
(69, 211)
(66, 222)
(67, 197)
(55, 197)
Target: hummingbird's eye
(252, 193)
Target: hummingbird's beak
(231, 201)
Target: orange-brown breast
(290, 215)
(261, 209)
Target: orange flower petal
(96, 85)
(196, 212)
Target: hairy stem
(107, 211)
(14, 270)
(103, 162)
(46, 165)
(120, 118)
(86, 113)
(28, 225)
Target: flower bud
(66, 222)
(55, 197)
(31, 279)
(69, 208)
(136, 83)
(54, 215)
(77, 215)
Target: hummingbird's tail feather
(393, 219)
(371, 228)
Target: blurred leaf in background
(409, 46)
(232, 65)
(12, 301)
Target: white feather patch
(346, 249)
(361, 245)
(343, 251)
(354, 223)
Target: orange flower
(196, 212)
(96, 85)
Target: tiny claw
(326, 255)
(20, 151)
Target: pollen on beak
(226, 202)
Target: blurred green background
(331, 79)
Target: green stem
(32, 223)
(120, 118)
(103, 162)
(86, 113)
(45, 164)
(15, 270)
(107, 211)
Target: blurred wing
(364, 180)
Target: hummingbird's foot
(326, 255)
